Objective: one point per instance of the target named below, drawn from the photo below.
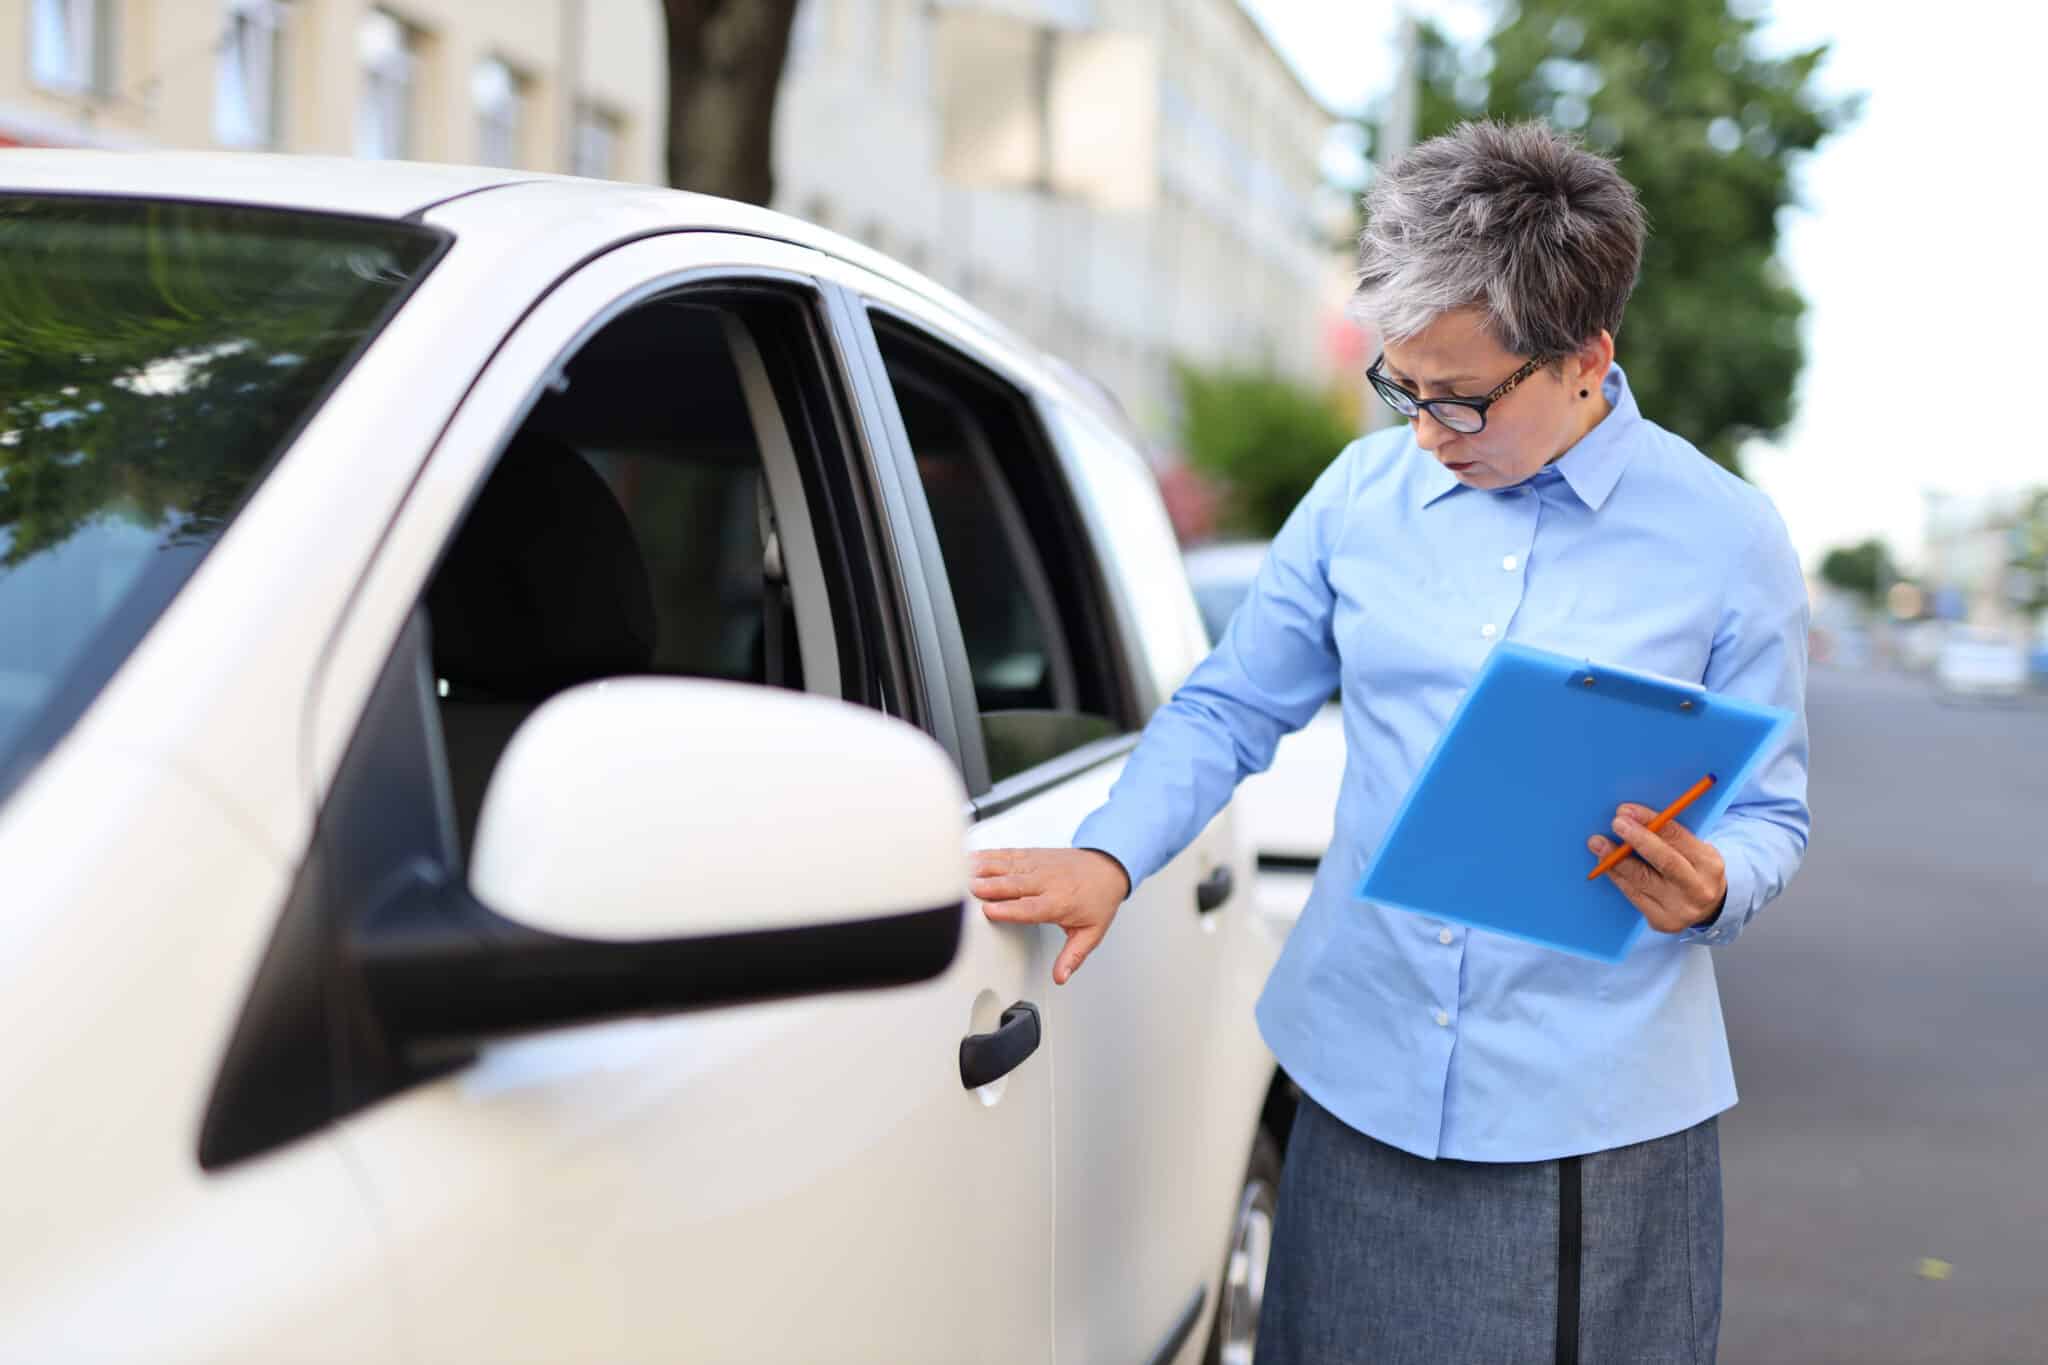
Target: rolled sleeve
(1759, 655)
(1274, 668)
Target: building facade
(543, 84)
(1983, 560)
(1210, 240)
(1149, 192)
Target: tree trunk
(725, 62)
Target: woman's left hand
(1676, 879)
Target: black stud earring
(1585, 393)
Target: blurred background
(1841, 301)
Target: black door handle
(986, 1057)
(1214, 889)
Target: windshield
(154, 360)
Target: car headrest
(545, 586)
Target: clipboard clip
(1661, 694)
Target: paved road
(1889, 1018)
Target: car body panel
(801, 1180)
(742, 1133)
(1131, 1252)
(1118, 1293)
(137, 903)
(383, 189)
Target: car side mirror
(652, 845)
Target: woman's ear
(1588, 365)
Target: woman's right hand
(1078, 889)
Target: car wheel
(1243, 1292)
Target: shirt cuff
(1104, 833)
(1735, 908)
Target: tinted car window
(1030, 606)
(629, 528)
(154, 360)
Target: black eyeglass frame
(1393, 395)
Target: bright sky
(1919, 249)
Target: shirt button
(1443, 936)
(1488, 631)
(1508, 562)
(1443, 1020)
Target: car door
(805, 1180)
(1157, 1065)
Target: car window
(155, 359)
(1139, 540)
(1023, 575)
(632, 526)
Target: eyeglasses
(1464, 415)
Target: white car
(1975, 663)
(1289, 809)
(499, 676)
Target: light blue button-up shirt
(1395, 580)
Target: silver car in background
(1288, 810)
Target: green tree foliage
(1710, 132)
(1865, 569)
(2028, 539)
(1261, 438)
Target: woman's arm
(1274, 668)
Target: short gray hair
(1517, 220)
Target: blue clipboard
(1538, 755)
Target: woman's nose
(1430, 433)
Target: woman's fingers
(1652, 847)
(1651, 892)
(994, 862)
(1077, 889)
(1004, 887)
(1023, 910)
(1080, 943)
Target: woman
(1503, 1153)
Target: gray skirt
(1383, 1258)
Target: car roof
(407, 189)
(317, 184)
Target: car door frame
(939, 624)
(458, 464)
(1167, 1337)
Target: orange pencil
(1657, 822)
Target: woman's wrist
(1121, 870)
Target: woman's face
(1532, 424)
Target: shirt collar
(1591, 468)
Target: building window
(69, 44)
(388, 51)
(500, 96)
(595, 152)
(245, 79)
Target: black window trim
(933, 640)
(1104, 628)
(1037, 585)
(715, 286)
(859, 580)
(1018, 788)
